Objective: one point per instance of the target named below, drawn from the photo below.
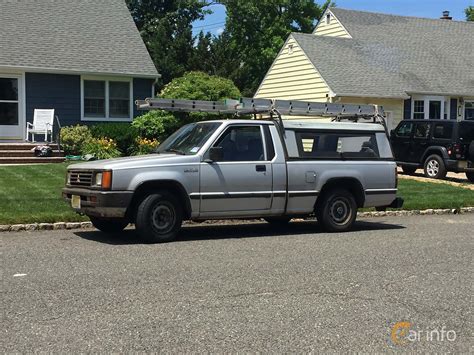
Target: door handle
(260, 168)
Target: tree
(469, 13)
(166, 29)
(258, 30)
(200, 56)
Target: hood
(137, 161)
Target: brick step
(23, 146)
(26, 153)
(30, 160)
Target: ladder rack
(246, 106)
(273, 108)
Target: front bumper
(459, 166)
(106, 204)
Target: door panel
(242, 180)
(10, 108)
(235, 186)
(401, 141)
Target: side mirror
(392, 132)
(216, 154)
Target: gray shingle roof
(87, 36)
(390, 56)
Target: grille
(80, 178)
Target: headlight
(103, 179)
(98, 179)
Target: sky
(215, 22)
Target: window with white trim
(430, 107)
(469, 110)
(418, 109)
(106, 99)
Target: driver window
(242, 143)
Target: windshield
(188, 139)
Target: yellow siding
(394, 106)
(293, 77)
(333, 29)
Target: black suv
(438, 146)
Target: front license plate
(75, 201)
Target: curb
(88, 225)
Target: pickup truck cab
(241, 169)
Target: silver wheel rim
(432, 168)
(340, 211)
(163, 217)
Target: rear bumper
(107, 204)
(459, 166)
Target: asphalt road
(241, 288)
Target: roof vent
(446, 16)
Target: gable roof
(83, 36)
(390, 56)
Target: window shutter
(453, 109)
(407, 109)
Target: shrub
(102, 148)
(144, 146)
(197, 85)
(74, 138)
(155, 124)
(124, 134)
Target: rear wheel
(159, 217)
(109, 225)
(278, 221)
(434, 167)
(337, 211)
(409, 170)
(470, 176)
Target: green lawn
(33, 194)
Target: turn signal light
(106, 180)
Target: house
(84, 58)
(413, 67)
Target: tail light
(456, 150)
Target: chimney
(446, 16)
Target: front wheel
(470, 176)
(159, 217)
(434, 167)
(337, 211)
(109, 225)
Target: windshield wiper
(177, 151)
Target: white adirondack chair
(43, 121)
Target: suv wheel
(109, 225)
(470, 176)
(337, 211)
(409, 170)
(159, 217)
(434, 167)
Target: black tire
(470, 176)
(278, 221)
(434, 167)
(109, 225)
(159, 217)
(337, 211)
(409, 170)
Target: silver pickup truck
(241, 169)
